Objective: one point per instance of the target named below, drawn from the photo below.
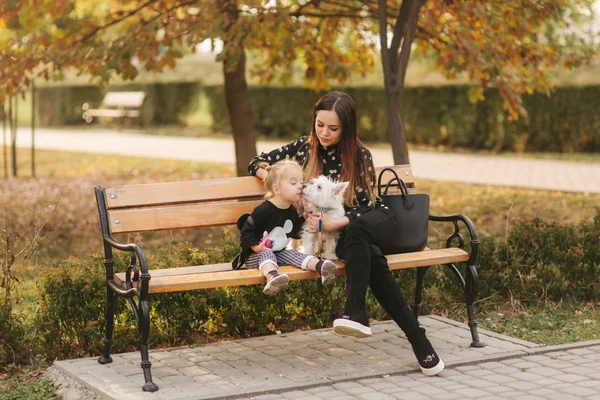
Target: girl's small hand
(260, 247)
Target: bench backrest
(190, 204)
(124, 99)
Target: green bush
(544, 261)
(70, 317)
(13, 349)
(165, 103)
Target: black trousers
(362, 246)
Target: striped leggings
(283, 257)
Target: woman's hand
(262, 174)
(329, 224)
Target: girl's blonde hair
(276, 172)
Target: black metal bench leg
(419, 292)
(144, 331)
(470, 297)
(109, 316)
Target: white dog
(323, 194)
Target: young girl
(369, 229)
(278, 218)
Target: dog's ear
(340, 188)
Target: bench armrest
(136, 254)
(458, 235)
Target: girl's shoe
(276, 283)
(328, 273)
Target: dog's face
(323, 192)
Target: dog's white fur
(323, 194)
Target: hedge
(566, 121)
(165, 103)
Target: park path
(318, 364)
(467, 168)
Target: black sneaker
(275, 284)
(430, 363)
(346, 326)
(328, 273)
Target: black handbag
(412, 211)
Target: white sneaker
(430, 370)
(275, 284)
(328, 273)
(345, 326)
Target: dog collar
(325, 209)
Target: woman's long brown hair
(354, 166)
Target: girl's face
(328, 128)
(289, 187)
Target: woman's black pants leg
(376, 229)
(353, 247)
(388, 294)
(362, 246)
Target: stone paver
(478, 169)
(318, 368)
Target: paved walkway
(478, 169)
(321, 365)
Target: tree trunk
(395, 61)
(12, 118)
(396, 129)
(239, 107)
(237, 96)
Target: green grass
(26, 383)
(549, 324)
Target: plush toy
(277, 239)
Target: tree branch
(132, 13)
(404, 54)
(399, 27)
(385, 52)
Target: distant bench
(116, 105)
(217, 202)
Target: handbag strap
(401, 184)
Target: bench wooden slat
(221, 275)
(123, 99)
(178, 217)
(102, 112)
(201, 190)
(183, 192)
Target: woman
(369, 228)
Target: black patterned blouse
(332, 167)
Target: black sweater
(266, 217)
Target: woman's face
(328, 128)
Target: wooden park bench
(217, 202)
(116, 105)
